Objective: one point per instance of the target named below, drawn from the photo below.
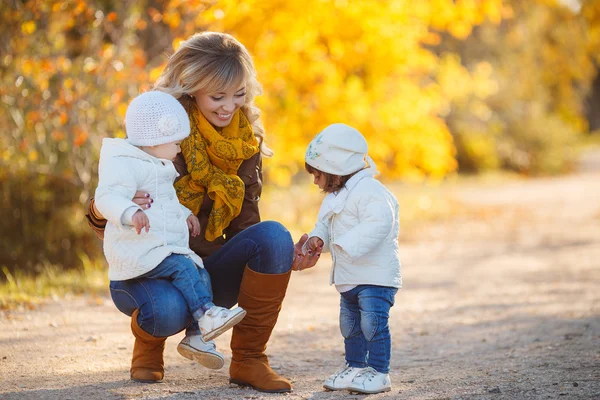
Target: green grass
(29, 291)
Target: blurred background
(441, 89)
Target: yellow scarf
(213, 158)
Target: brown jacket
(250, 172)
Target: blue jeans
(191, 281)
(266, 247)
(364, 315)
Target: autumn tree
(543, 59)
(69, 68)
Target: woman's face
(219, 107)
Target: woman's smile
(218, 107)
(224, 117)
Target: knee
(272, 248)
(277, 234)
(276, 240)
(349, 325)
(369, 324)
(165, 313)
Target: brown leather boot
(147, 361)
(261, 296)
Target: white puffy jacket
(123, 170)
(359, 226)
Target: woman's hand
(142, 199)
(193, 225)
(301, 260)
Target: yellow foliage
(362, 63)
(28, 27)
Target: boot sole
(222, 329)
(246, 384)
(208, 360)
(145, 380)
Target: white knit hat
(338, 150)
(155, 118)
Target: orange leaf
(57, 136)
(63, 118)
(80, 139)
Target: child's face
(167, 151)
(218, 107)
(319, 180)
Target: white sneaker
(342, 378)
(204, 353)
(218, 319)
(370, 381)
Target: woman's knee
(162, 309)
(275, 248)
(275, 236)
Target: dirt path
(501, 302)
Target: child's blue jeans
(364, 315)
(266, 247)
(191, 281)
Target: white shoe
(342, 378)
(204, 353)
(370, 381)
(218, 319)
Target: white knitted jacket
(123, 170)
(359, 226)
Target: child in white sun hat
(153, 243)
(359, 224)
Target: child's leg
(350, 326)
(375, 303)
(191, 281)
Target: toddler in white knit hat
(153, 243)
(358, 223)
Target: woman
(249, 261)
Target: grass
(21, 290)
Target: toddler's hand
(313, 244)
(302, 260)
(193, 225)
(140, 220)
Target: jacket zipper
(332, 249)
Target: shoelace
(369, 373)
(344, 371)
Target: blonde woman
(249, 262)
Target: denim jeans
(364, 315)
(191, 281)
(266, 247)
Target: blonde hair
(211, 62)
